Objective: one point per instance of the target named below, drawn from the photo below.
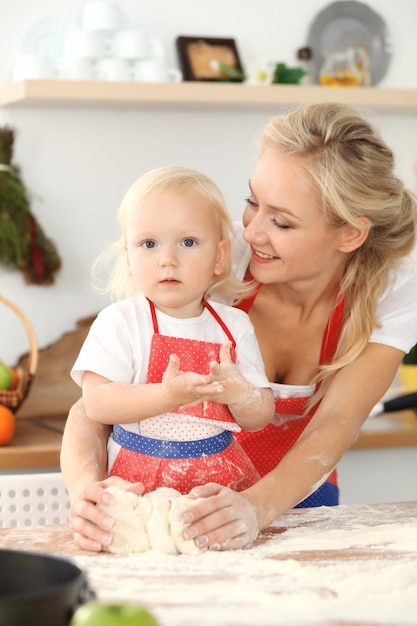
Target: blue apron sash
(165, 449)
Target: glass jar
(304, 56)
(339, 69)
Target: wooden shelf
(202, 95)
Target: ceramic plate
(350, 24)
(45, 36)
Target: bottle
(304, 56)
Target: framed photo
(200, 58)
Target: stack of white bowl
(105, 48)
(102, 47)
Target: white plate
(350, 24)
(45, 37)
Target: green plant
(411, 357)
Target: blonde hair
(352, 169)
(153, 184)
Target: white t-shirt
(118, 346)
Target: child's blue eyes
(150, 244)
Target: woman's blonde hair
(352, 169)
(155, 183)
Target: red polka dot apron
(268, 446)
(183, 465)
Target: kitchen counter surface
(330, 566)
(37, 442)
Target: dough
(157, 524)
(150, 522)
(129, 529)
(178, 506)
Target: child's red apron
(268, 446)
(183, 465)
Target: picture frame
(196, 53)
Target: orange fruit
(6, 425)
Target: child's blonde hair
(153, 184)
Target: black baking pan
(39, 590)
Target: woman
(327, 228)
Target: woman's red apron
(183, 465)
(267, 447)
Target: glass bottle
(304, 56)
(339, 69)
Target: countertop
(330, 566)
(37, 441)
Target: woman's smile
(262, 256)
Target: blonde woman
(327, 230)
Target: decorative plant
(23, 243)
(287, 75)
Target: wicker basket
(14, 398)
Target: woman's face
(284, 224)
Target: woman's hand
(90, 525)
(222, 520)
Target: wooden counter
(390, 430)
(329, 566)
(37, 442)
(35, 445)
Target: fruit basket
(13, 398)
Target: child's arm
(252, 407)
(110, 402)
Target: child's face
(174, 251)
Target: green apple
(112, 614)
(5, 376)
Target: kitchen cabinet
(197, 95)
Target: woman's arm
(84, 466)
(226, 519)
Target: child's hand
(232, 386)
(186, 388)
(226, 384)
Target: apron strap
(220, 321)
(153, 314)
(332, 332)
(208, 307)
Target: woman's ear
(353, 237)
(223, 252)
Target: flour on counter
(348, 577)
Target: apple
(5, 376)
(112, 614)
